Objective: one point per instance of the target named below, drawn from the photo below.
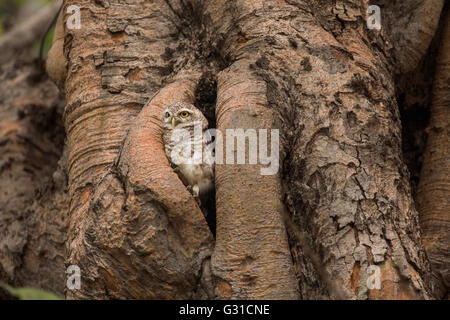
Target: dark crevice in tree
(414, 123)
(413, 91)
(206, 95)
(205, 100)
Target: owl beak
(173, 123)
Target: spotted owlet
(189, 147)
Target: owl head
(182, 115)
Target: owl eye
(167, 115)
(184, 114)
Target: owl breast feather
(193, 160)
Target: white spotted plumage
(196, 173)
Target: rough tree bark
(312, 69)
(434, 188)
(33, 197)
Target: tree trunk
(434, 188)
(33, 197)
(340, 203)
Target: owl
(189, 148)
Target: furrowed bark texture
(346, 183)
(158, 221)
(33, 200)
(251, 256)
(160, 227)
(434, 187)
(121, 235)
(310, 69)
(145, 234)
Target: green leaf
(28, 293)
